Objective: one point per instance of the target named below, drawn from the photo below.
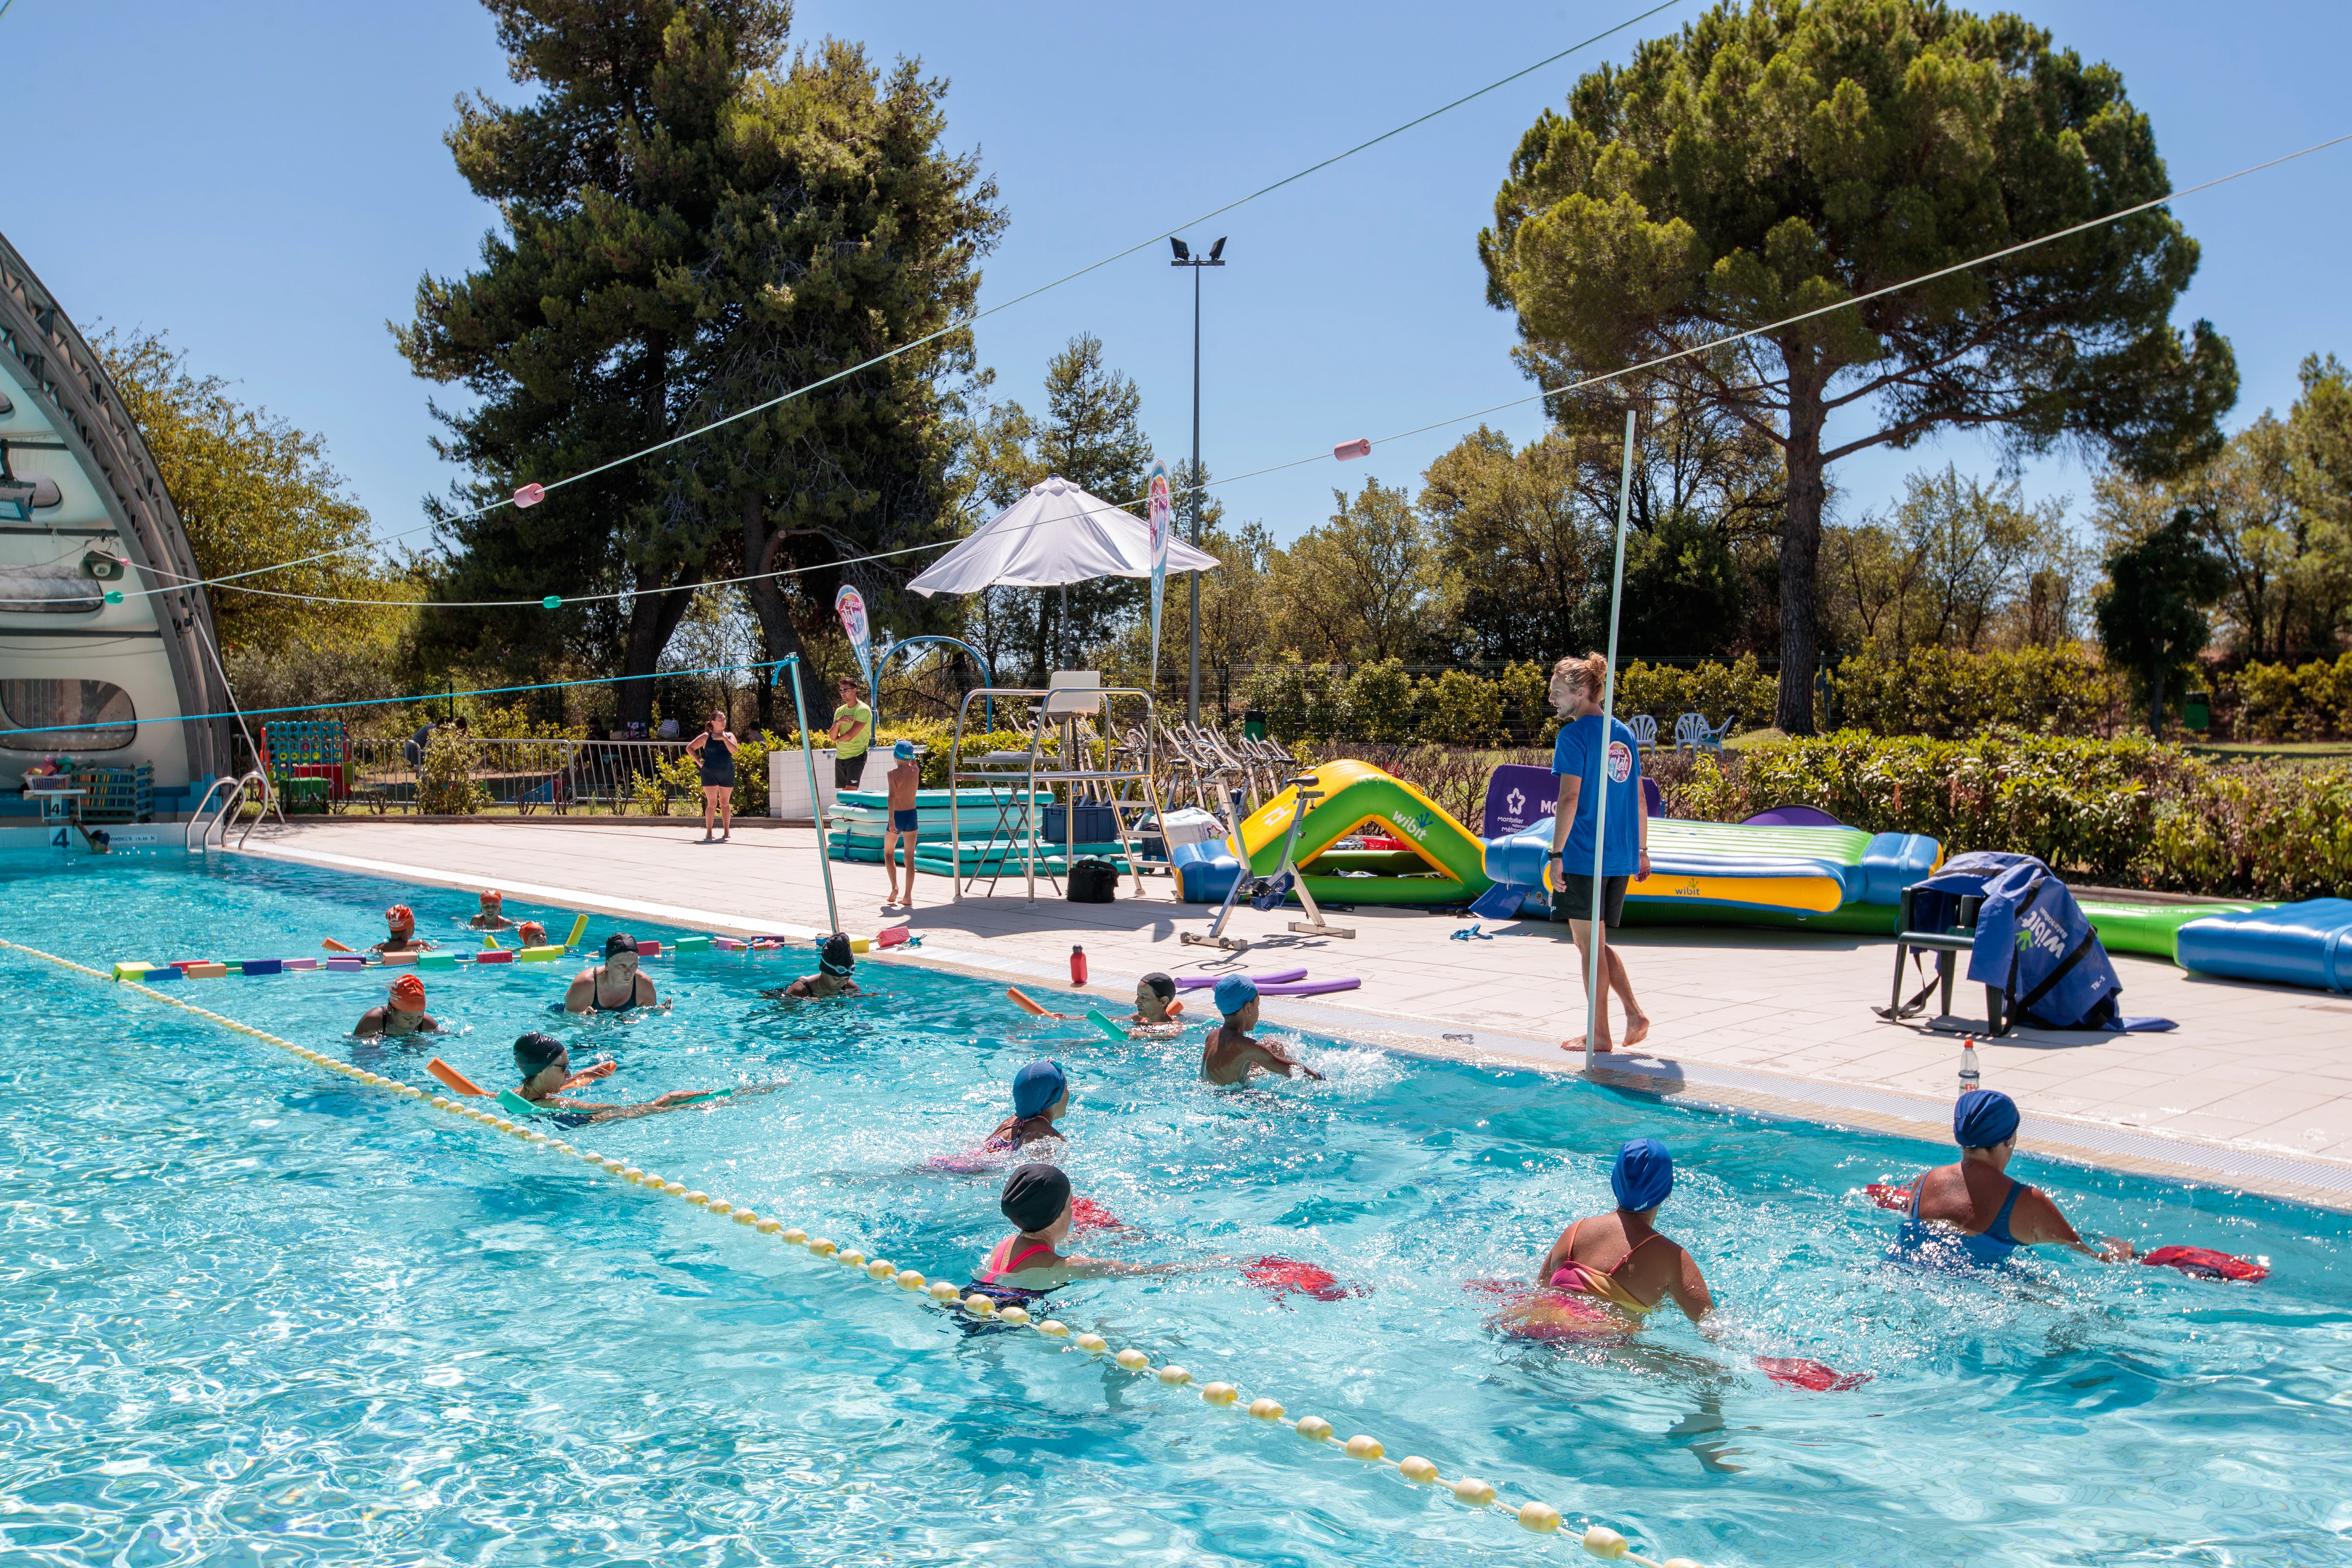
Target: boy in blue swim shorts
(904, 776)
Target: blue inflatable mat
(2307, 944)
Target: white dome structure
(113, 685)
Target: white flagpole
(1607, 717)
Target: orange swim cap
(408, 994)
(400, 917)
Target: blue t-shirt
(1577, 754)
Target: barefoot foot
(1637, 1029)
(1577, 1045)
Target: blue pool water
(254, 1313)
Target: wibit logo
(1413, 825)
(2038, 930)
(1518, 802)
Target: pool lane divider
(1539, 1517)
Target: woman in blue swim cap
(1971, 1212)
(1610, 1277)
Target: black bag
(1094, 880)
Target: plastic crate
(1096, 824)
(117, 795)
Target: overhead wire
(963, 323)
(1325, 455)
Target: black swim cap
(1162, 986)
(535, 1053)
(835, 957)
(619, 942)
(1035, 1195)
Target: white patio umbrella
(1055, 536)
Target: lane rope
(1541, 1517)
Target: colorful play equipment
(2308, 945)
(1824, 878)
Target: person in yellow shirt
(853, 731)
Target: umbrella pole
(817, 801)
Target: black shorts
(1573, 901)
(848, 770)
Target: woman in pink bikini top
(1625, 1264)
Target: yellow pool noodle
(579, 930)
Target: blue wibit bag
(2034, 943)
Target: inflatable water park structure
(1374, 840)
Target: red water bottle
(1077, 964)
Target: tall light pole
(1184, 257)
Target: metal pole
(1192, 626)
(1607, 717)
(816, 801)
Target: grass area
(2318, 752)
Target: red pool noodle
(1797, 1371)
(2204, 1263)
(1287, 1276)
(1887, 1196)
(1086, 1215)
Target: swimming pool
(258, 1313)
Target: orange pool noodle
(453, 1078)
(332, 945)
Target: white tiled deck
(2253, 1088)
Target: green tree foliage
(1092, 436)
(2151, 613)
(2275, 506)
(1371, 584)
(1788, 154)
(689, 229)
(1516, 532)
(843, 230)
(1956, 564)
(252, 490)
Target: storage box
(117, 794)
(1096, 823)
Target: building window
(95, 716)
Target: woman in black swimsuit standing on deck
(715, 750)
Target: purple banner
(1517, 797)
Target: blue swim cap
(1983, 1117)
(1235, 992)
(1643, 1174)
(902, 749)
(1037, 1086)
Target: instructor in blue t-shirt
(1577, 759)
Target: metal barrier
(384, 773)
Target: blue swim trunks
(904, 819)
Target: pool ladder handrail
(198, 834)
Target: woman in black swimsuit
(715, 750)
(615, 985)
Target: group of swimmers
(1606, 1273)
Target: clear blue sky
(266, 180)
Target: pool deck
(2254, 1091)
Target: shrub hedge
(2123, 813)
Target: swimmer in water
(833, 966)
(1041, 1097)
(401, 921)
(402, 1015)
(615, 985)
(493, 917)
(1973, 1213)
(1615, 1274)
(1229, 1053)
(530, 933)
(546, 1068)
(1155, 1003)
(1028, 1263)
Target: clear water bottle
(1968, 1075)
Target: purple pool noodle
(1271, 977)
(1309, 987)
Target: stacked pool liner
(861, 817)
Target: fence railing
(380, 774)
